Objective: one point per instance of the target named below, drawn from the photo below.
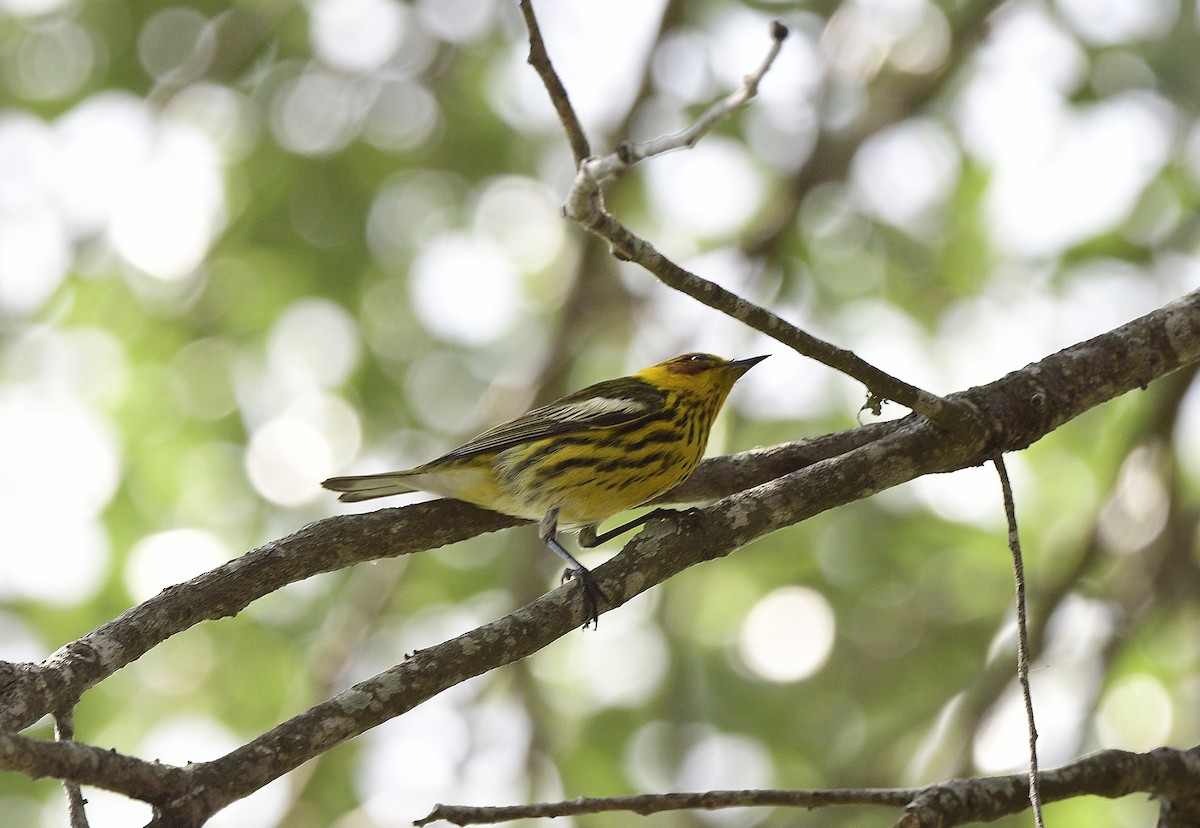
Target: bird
(577, 461)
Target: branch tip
(779, 30)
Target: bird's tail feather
(368, 486)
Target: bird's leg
(588, 537)
(592, 593)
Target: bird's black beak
(744, 365)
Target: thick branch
(30, 691)
(1021, 407)
(89, 765)
(1165, 772)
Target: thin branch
(1166, 772)
(585, 205)
(952, 414)
(646, 804)
(971, 706)
(64, 731)
(631, 152)
(722, 476)
(1014, 546)
(539, 59)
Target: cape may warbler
(581, 459)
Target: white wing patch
(596, 407)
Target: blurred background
(245, 247)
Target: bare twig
(949, 413)
(646, 804)
(631, 152)
(1166, 772)
(539, 59)
(64, 731)
(1014, 545)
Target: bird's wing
(603, 405)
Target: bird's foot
(592, 595)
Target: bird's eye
(697, 358)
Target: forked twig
(585, 205)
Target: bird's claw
(592, 595)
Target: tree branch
(1014, 545)
(30, 691)
(631, 152)
(1165, 772)
(539, 59)
(89, 765)
(1171, 774)
(631, 247)
(646, 804)
(64, 731)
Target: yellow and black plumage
(581, 459)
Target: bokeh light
(357, 35)
(905, 174)
(524, 218)
(157, 561)
(176, 45)
(1117, 21)
(710, 189)
(465, 289)
(310, 440)
(1136, 714)
(624, 665)
(50, 61)
(61, 469)
(313, 344)
(318, 112)
(173, 207)
(460, 745)
(788, 635)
